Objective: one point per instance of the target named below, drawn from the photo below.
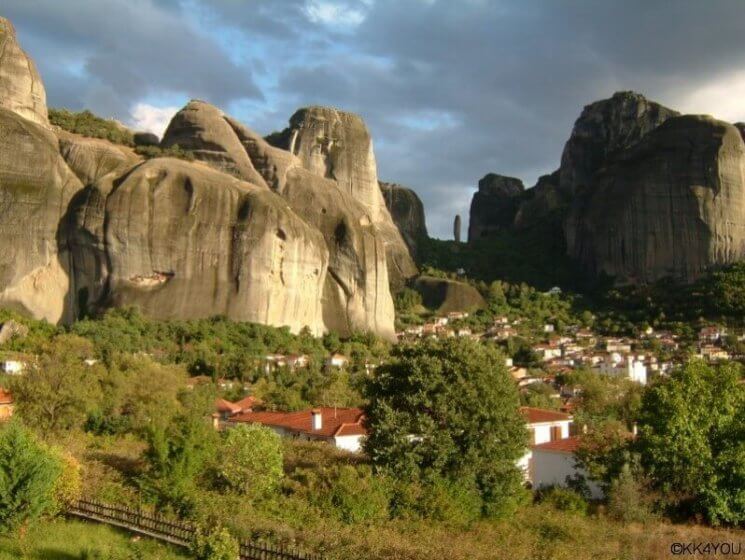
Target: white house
(629, 367)
(342, 427)
(554, 462)
(12, 367)
(543, 426)
(337, 361)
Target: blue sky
(451, 89)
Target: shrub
(218, 544)
(563, 499)
(175, 151)
(251, 460)
(627, 498)
(86, 123)
(29, 475)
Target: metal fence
(177, 532)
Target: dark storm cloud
(451, 89)
(121, 52)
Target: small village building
(553, 464)
(337, 361)
(712, 334)
(7, 405)
(342, 427)
(628, 367)
(12, 367)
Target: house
(342, 427)
(553, 462)
(337, 361)
(713, 353)
(711, 334)
(547, 352)
(616, 345)
(543, 426)
(548, 328)
(224, 409)
(6, 404)
(12, 367)
(629, 368)
(247, 404)
(457, 315)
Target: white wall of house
(12, 367)
(349, 443)
(542, 430)
(551, 468)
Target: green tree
(29, 474)
(448, 409)
(250, 460)
(59, 392)
(692, 440)
(217, 544)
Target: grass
(76, 540)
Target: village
(553, 435)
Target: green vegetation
(73, 540)
(250, 461)
(86, 123)
(150, 152)
(466, 429)
(29, 472)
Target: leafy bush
(217, 544)
(175, 151)
(86, 123)
(250, 460)
(563, 499)
(29, 477)
(628, 498)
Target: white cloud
(723, 98)
(331, 13)
(150, 118)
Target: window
(555, 433)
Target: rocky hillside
(642, 193)
(407, 211)
(295, 234)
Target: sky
(450, 89)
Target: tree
(29, 474)
(692, 440)
(179, 452)
(448, 410)
(217, 544)
(58, 393)
(251, 460)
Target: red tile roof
(221, 405)
(335, 421)
(247, 403)
(567, 445)
(539, 415)
(5, 396)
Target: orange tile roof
(5, 396)
(335, 421)
(221, 405)
(567, 445)
(247, 403)
(539, 415)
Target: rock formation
(36, 187)
(670, 206)
(181, 240)
(248, 230)
(407, 212)
(21, 88)
(604, 128)
(444, 295)
(494, 206)
(741, 127)
(456, 228)
(336, 145)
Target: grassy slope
(73, 540)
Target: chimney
(316, 419)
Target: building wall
(551, 468)
(349, 443)
(543, 431)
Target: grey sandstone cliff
(21, 88)
(356, 294)
(603, 129)
(494, 205)
(407, 212)
(670, 206)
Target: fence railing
(177, 532)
